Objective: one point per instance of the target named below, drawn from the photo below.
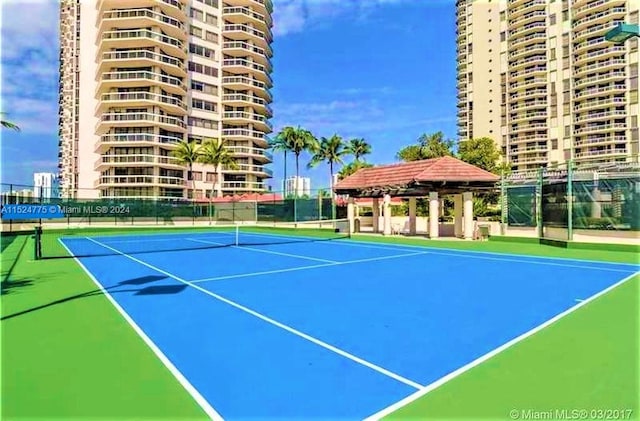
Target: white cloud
(291, 16)
(30, 52)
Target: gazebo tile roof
(403, 174)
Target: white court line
(271, 321)
(268, 272)
(423, 391)
(473, 254)
(208, 409)
(265, 251)
(106, 240)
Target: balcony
(608, 77)
(137, 160)
(143, 119)
(529, 39)
(243, 100)
(112, 80)
(113, 40)
(580, 48)
(244, 185)
(600, 17)
(530, 17)
(244, 49)
(612, 63)
(529, 150)
(595, 30)
(535, 115)
(528, 127)
(601, 128)
(529, 28)
(540, 48)
(256, 154)
(517, 8)
(598, 153)
(259, 170)
(240, 15)
(529, 83)
(528, 61)
(604, 115)
(537, 70)
(141, 58)
(241, 32)
(242, 66)
(611, 89)
(170, 104)
(264, 7)
(528, 94)
(258, 121)
(110, 140)
(600, 140)
(173, 8)
(613, 101)
(601, 54)
(538, 104)
(141, 18)
(139, 180)
(241, 83)
(516, 138)
(242, 134)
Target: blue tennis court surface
(325, 329)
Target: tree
(358, 148)
(7, 124)
(429, 146)
(302, 141)
(186, 153)
(351, 168)
(283, 142)
(214, 152)
(331, 151)
(481, 152)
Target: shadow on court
(7, 285)
(147, 290)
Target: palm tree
(302, 141)
(358, 148)
(187, 154)
(331, 151)
(7, 124)
(214, 152)
(282, 143)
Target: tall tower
(139, 76)
(564, 92)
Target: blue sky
(383, 70)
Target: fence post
(539, 202)
(570, 200)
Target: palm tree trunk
(295, 189)
(333, 207)
(284, 183)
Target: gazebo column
(457, 215)
(351, 213)
(376, 215)
(434, 220)
(412, 216)
(467, 199)
(386, 212)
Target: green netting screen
(521, 206)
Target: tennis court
(262, 325)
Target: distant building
(297, 186)
(45, 185)
(17, 196)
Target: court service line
(206, 407)
(264, 251)
(269, 272)
(271, 321)
(436, 384)
(476, 254)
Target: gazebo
(432, 178)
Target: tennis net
(81, 242)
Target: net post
(37, 249)
(570, 200)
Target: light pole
(621, 33)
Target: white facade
(301, 188)
(45, 183)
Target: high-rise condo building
(539, 78)
(45, 185)
(139, 76)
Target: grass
(67, 353)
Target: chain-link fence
(574, 197)
(83, 209)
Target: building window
(211, 37)
(204, 87)
(195, 31)
(552, 19)
(201, 51)
(196, 14)
(552, 54)
(554, 144)
(201, 122)
(205, 70)
(203, 105)
(212, 3)
(197, 176)
(503, 36)
(211, 19)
